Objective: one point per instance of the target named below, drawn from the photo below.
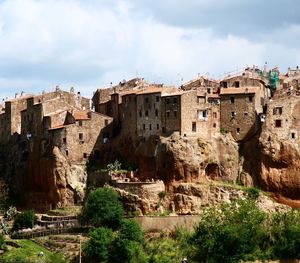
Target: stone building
(102, 102)
(81, 135)
(283, 117)
(164, 110)
(10, 117)
(243, 101)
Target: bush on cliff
(103, 208)
(23, 220)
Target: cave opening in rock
(212, 171)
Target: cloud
(88, 44)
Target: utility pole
(79, 248)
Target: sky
(88, 44)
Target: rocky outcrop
(42, 180)
(191, 199)
(192, 159)
(279, 166)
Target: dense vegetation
(25, 219)
(103, 208)
(233, 232)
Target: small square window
(157, 98)
(238, 130)
(250, 98)
(293, 135)
(80, 135)
(246, 113)
(214, 125)
(232, 100)
(80, 123)
(175, 113)
(144, 127)
(233, 114)
(150, 127)
(84, 155)
(157, 126)
(64, 140)
(67, 153)
(156, 113)
(277, 123)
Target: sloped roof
(245, 90)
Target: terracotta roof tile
(246, 90)
(80, 115)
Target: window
(225, 84)
(144, 127)
(105, 135)
(80, 135)
(277, 123)
(237, 84)
(175, 113)
(150, 127)
(106, 122)
(250, 98)
(146, 113)
(168, 113)
(293, 135)
(157, 126)
(238, 130)
(140, 113)
(233, 114)
(156, 113)
(214, 125)
(194, 127)
(65, 140)
(157, 98)
(67, 153)
(80, 123)
(277, 111)
(208, 90)
(232, 100)
(214, 115)
(174, 100)
(146, 100)
(202, 115)
(246, 113)
(84, 155)
(168, 100)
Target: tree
(231, 233)
(24, 220)
(103, 208)
(131, 231)
(99, 245)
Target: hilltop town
(241, 128)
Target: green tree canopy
(25, 219)
(103, 208)
(99, 245)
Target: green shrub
(231, 233)
(103, 208)
(24, 220)
(130, 230)
(99, 245)
(253, 192)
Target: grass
(29, 252)
(66, 211)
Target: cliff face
(42, 180)
(279, 167)
(176, 159)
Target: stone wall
(239, 117)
